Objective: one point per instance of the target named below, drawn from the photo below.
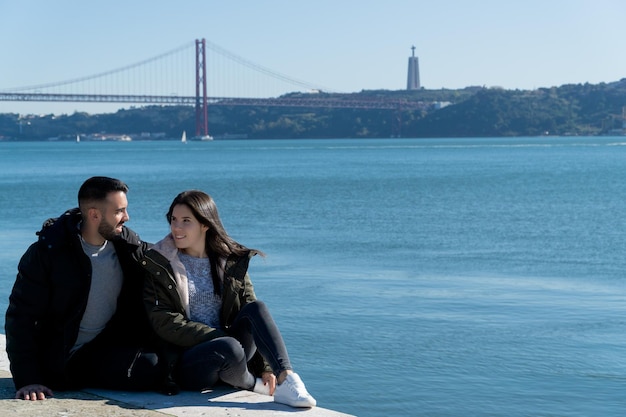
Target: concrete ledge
(66, 404)
(221, 402)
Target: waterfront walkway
(104, 403)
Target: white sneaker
(261, 388)
(293, 392)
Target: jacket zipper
(132, 364)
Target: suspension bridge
(167, 79)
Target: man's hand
(33, 392)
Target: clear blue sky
(346, 45)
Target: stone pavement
(221, 402)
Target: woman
(200, 299)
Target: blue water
(449, 277)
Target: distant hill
(572, 109)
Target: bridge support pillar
(202, 114)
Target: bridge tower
(202, 114)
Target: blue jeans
(226, 358)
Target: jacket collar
(167, 248)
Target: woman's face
(188, 233)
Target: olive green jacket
(166, 299)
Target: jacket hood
(55, 231)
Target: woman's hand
(269, 379)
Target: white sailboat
(77, 138)
(184, 138)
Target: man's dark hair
(97, 189)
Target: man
(75, 315)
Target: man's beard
(107, 231)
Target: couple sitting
(94, 306)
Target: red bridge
(132, 77)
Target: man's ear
(93, 214)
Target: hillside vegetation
(573, 109)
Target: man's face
(114, 215)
